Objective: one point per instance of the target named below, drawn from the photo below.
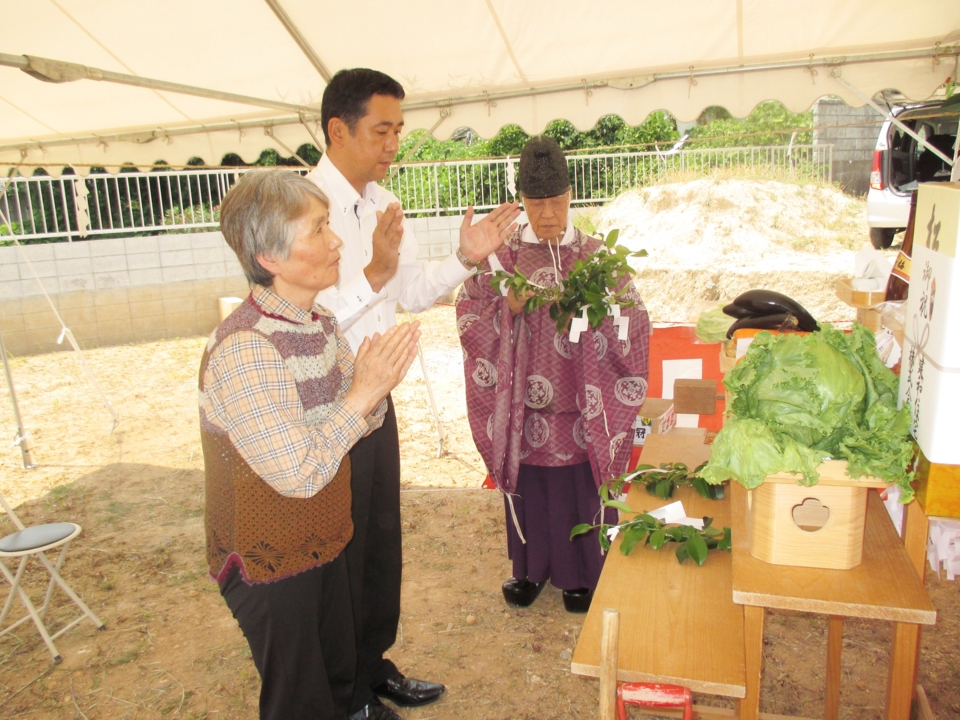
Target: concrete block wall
(139, 289)
(853, 146)
(115, 291)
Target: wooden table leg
(753, 655)
(916, 531)
(903, 669)
(609, 649)
(831, 704)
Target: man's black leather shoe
(408, 692)
(577, 601)
(521, 593)
(375, 710)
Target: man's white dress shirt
(417, 284)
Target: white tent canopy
(150, 80)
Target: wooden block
(869, 318)
(858, 298)
(696, 397)
(227, 305)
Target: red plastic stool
(654, 695)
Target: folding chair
(33, 541)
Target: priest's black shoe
(577, 601)
(521, 593)
(408, 692)
(375, 710)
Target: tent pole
(21, 438)
(890, 116)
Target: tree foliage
(770, 123)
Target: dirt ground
(171, 647)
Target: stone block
(174, 290)
(153, 276)
(11, 289)
(9, 255)
(143, 261)
(69, 283)
(78, 315)
(208, 255)
(75, 266)
(11, 322)
(107, 281)
(36, 253)
(144, 293)
(10, 272)
(110, 263)
(176, 243)
(179, 273)
(182, 324)
(140, 245)
(179, 305)
(9, 308)
(37, 304)
(116, 296)
(207, 321)
(236, 285)
(113, 246)
(76, 299)
(115, 331)
(43, 269)
(175, 258)
(440, 250)
(71, 250)
(209, 287)
(205, 271)
(233, 266)
(109, 313)
(48, 285)
(209, 240)
(145, 309)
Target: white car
(900, 163)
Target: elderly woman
(551, 418)
(282, 401)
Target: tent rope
(65, 332)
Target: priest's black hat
(543, 169)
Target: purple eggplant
(735, 311)
(761, 303)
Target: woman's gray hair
(259, 215)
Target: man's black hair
(348, 93)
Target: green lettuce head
(798, 399)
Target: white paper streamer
(943, 546)
(580, 324)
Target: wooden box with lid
(819, 526)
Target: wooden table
(885, 586)
(678, 623)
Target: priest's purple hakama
(552, 419)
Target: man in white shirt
(362, 122)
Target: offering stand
(885, 586)
(664, 637)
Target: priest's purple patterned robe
(534, 397)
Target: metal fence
(44, 209)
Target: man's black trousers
(374, 555)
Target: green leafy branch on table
(661, 482)
(644, 528)
(591, 284)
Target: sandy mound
(713, 238)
